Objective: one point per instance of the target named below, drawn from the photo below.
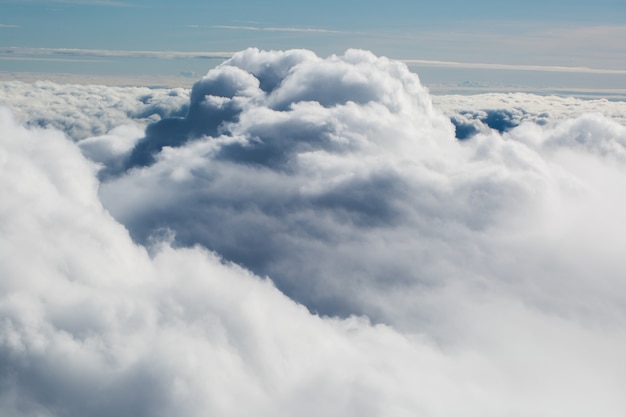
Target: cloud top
(295, 166)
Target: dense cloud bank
(395, 269)
(502, 112)
(296, 167)
(83, 111)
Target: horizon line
(16, 53)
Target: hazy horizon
(554, 45)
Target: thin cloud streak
(277, 29)
(19, 53)
(5, 26)
(97, 3)
(104, 3)
(106, 53)
(510, 67)
(31, 58)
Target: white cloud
(547, 47)
(328, 159)
(495, 262)
(512, 67)
(276, 29)
(96, 3)
(478, 112)
(105, 3)
(93, 324)
(84, 111)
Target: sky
(250, 209)
(522, 35)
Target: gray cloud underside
(492, 265)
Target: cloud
(276, 29)
(179, 331)
(98, 3)
(46, 59)
(488, 271)
(554, 46)
(86, 111)
(6, 26)
(296, 166)
(502, 112)
(512, 67)
(24, 53)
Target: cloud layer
(86, 111)
(395, 269)
(502, 112)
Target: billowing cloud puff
(351, 202)
(307, 172)
(395, 269)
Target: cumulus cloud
(502, 112)
(86, 111)
(339, 179)
(309, 235)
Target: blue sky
(572, 33)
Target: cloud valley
(310, 236)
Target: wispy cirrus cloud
(38, 54)
(276, 29)
(6, 26)
(105, 3)
(49, 59)
(97, 3)
(108, 53)
(511, 67)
